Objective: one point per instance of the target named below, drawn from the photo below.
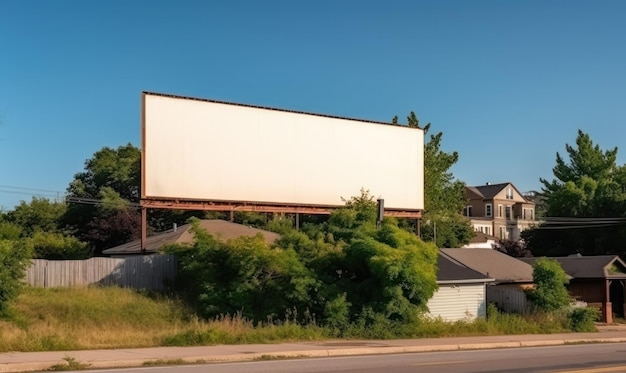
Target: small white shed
(461, 294)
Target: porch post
(607, 306)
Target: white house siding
(453, 302)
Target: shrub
(581, 319)
(550, 293)
(14, 259)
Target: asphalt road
(585, 358)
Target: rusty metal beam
(256, 207)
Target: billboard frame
(231, 206)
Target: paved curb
(237, 357)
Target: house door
(616, 293)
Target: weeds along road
(583, 358)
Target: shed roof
(597, 266)
(492, 263)
(450, 271)
(221, 229)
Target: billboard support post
(144, 229)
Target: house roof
(450, 271)
(221, 229)
(480, 237)
(492, 263)
(489, 191)
(598, 266)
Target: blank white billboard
(214, 151)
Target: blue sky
(509, 83)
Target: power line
(94, 201)
(31, 189)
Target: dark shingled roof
(452, 271)
(489, 191)
(221, 229)
(480, 237)
(599, 266)
(492, 263)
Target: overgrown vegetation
(14, 259)
(95, 318)
(550, 296)
(338, 273)
(550, 293)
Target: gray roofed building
(492, 263)
(499, 210)
(490, 191)
(598, 280)
(461, 294)
(221, 229)
(450, 270)
(599, 266)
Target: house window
(488, 231)
(502, 233)
(468, 210)
(527, 214)
(488, 210)
(508, 213)
(500, 211)
(509, 193)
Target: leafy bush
(244, 275)
(550, 293)
(582, 319)
(47, 245)
(14, 259)
(341, 271)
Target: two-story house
(499, 210)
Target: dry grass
(64, 319)
(99, 318)
(89, 318)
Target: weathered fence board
(150, 272)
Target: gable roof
(492, 263)
(597, 266)
(220, 229)
(489, 191)
(450, 271)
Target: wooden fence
(150, 272)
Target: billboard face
(205, 150)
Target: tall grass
(94, 318)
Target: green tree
(14, 259)
(40, 214)
(54, 246)
(103, 200)
(444, 197)
(10, 231)
(584, 204)
(368, 273)
(106, 190)
(550, 293)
